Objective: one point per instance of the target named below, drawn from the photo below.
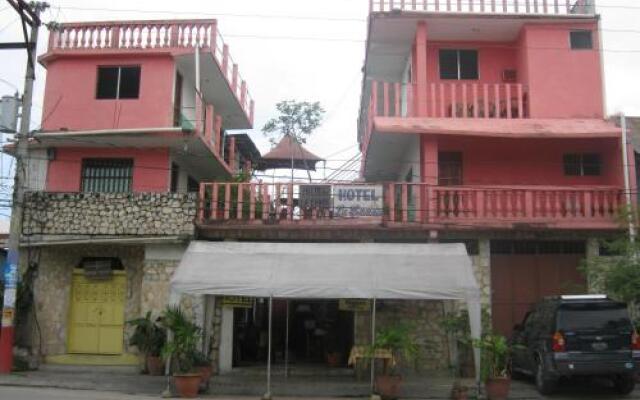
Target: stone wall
(52, 290)
(425, 319)
(152, 214)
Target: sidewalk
(251, 387)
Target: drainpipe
(627, 184)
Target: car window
(593, 316)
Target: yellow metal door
(96, 318)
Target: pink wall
(70, 95)
(150, 168)
(563, 83)
(490, 161)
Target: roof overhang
(502, 128)
(215, 88)
(185, 145)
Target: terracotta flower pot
(498, 388)
(460, 393)
(187, 384)
(155, 366)
(205, 374)
(334, 359)
(388, 386)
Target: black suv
(584, 335)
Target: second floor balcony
(407, 205)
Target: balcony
(406, 205)
(505, 101)
(525, 7)
(179, 38)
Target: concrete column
(592, 251)
(421, 69)
(482, 270)
(429, 159)
(226, 341)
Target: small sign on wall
(237, 302)
(354, 305)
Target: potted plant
(181, 349)
(333, 354)
(204, 366)
(398, 341)
(149, 337)
(496, 356)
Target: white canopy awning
(331, 271)
(327, 270)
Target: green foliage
(201, 360)
(297, 119)
(618, 275)
(397, 339)
(148, 336)
(495, 356)
(183, 346)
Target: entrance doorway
(96, 315)
(319, 333)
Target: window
(582, 164)
(107, 175)
(581, 40)
(192, 185)
(118, 83)
(175, 175)
(458, 64)
(449, 168)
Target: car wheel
(625, 384)
(544, 383)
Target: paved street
(25, 393)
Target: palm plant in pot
(495, 359)
(181, 349)
(149, 337)
(398, 340)
(204, 365)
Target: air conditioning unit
(509, 76)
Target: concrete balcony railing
(148, 36)
(407, 204)
(108, 214)
(449, 100)
(534, 7)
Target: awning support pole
(267, 395)
(286, 345)
(373, 341)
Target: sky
(309, 50)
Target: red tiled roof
(286, 150)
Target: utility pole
(29, 15)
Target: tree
(297, 118)
(618, 273)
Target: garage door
(524, 272)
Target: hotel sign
(353, 201)
(237, 302)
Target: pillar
(421, 69)
(226, 341)
(429, 160)
(232, 154)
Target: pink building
(128, 90)
(136, 115)
(492, 115)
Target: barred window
(107, 175)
